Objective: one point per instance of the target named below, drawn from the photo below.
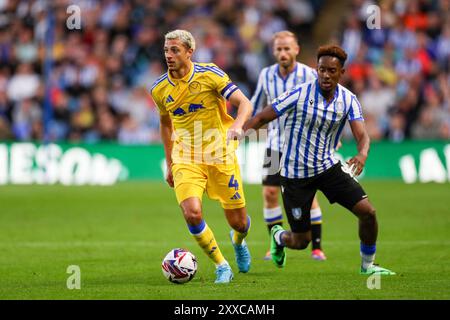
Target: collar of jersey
(325, 100)
(186, 78)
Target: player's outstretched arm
(166, 131)
(363, 144)
(260, 119)
(245, 109)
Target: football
(179, 266)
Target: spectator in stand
(26, 118)
(102, 69)
(433, 118)
(377, 99)
(397, 127)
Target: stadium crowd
(102, 72)
(400, 72)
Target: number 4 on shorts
(233, 183)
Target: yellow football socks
(205, 239)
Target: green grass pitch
(118, 236)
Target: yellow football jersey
(197, 107)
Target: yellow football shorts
(221, 182)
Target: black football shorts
(298, 194)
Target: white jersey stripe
(300, 135)
(258, 97)
(275, 126)
(318, 138)
(327, 157)
(309, 132)
(342, 124)
(287, 155)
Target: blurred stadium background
(90, 85)
(75, 109)
(102, 72)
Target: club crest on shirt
(311, 102)
(297, 213)
(339, 106)
(195, 87)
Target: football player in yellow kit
(200, 139)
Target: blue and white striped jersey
(313, 127)
(270, 85)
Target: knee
(192, 214)
(369, 214)
(271, 196)
(240, 225)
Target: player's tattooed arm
(260, 119)
(363, 144)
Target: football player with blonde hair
(200, 140)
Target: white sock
(316, 215)
(273, 215)
(367, 260)
(277, 236)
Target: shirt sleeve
(259, 99)
(161, 108)
(311, 75)
(355, 110)
(287, 100)
(223, 84)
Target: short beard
(289, 64)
